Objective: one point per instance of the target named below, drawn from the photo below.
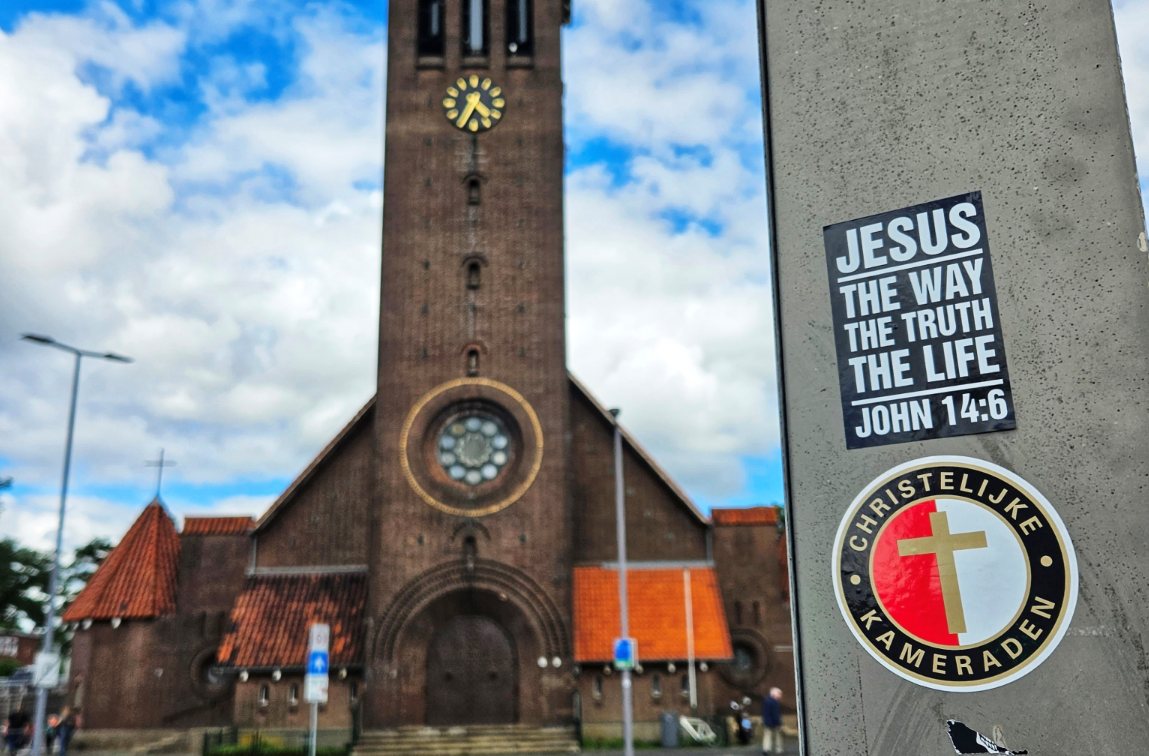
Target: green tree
(84, 563)
(24, 576)
(74, 577)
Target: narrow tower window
(431, 27)
(519, 38)
(474, 274)
(293, 695)
(597, 688)
(474, 190)
(474, 27)
(470, 553)
(737, 612)
(472, 362)
(264, 695)
(656, 687)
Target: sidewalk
(791, 748)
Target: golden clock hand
(472, 101)
(482, 110)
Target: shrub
(615, 744)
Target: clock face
(474, 104)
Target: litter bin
(669, 723)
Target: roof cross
(160, 464)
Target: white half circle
(994, 581)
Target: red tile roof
(217, 525)
(657, 613)
(138, 578)
(746, 516)
(268, 624)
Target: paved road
(791, 748)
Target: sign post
(623, 645)
(960, 265)
(315, 679)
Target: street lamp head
(614, 413)
(38, 339)
(117, 357)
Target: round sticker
(955, 573)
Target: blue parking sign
(317, 663)
(625, 653)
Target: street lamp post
(48, 646)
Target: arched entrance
(471, 673)
(416, 645)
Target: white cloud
(1132, 21)
(240, 269)
(250, 306)
(33, 519)
(668, 272)
(240, 265)
(648, 80)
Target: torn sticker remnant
(967, 741)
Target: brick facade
(471, 321)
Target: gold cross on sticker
(942, 544)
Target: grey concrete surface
(880, 104)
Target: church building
(458, 535)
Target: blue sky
(196, 183)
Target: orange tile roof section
(657, 602)
(269, 622)
(745, 516)
(217, 525)
(137, 580)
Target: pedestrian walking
(50, 733)
(66, 728)
(18, 722)
(772, 722)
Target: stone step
(424, 739)
(471, 749)
(469, 740)
(501, 739)
(458, 729)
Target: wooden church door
(471, 673)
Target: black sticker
(916, 325)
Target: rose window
(474, 448)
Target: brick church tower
(459, 533)
(471, 520)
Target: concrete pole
(623, 606)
